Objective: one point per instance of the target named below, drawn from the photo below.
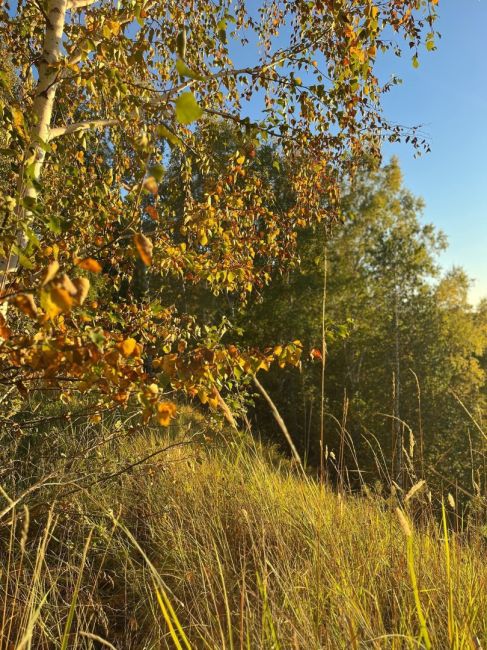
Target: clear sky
(448, 95)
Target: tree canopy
(108, 96)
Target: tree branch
(79, 4)
(86, 125)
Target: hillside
(225, 545)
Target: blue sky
(448, 95)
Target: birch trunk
(42, 109)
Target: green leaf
(164, 132)
(187, 108)
(23, 259)
(29, 202)
(32, 237)
(221, 30)
(185, 71)
(157, 171)
(97, 337)
(54, 224)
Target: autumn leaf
(128, 346)
(62, 298)
(165, 412)
(55, 300)
(25, 302)
(152, 212)
(89, 264)
(213, 400)
(315, 354)
(4, 330)
(187, 108)
(82, 288)
(48, 304)
(144, 247)
(52, 269)
(202, 238)
(67, 285)
(186, 71)
(18, 120)
(151, 185)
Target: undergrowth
(133, 538)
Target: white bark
(79, 4)
(42, 108)
(77, 127)
(47, 83)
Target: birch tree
(107, 88)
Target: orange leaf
(152, 212)
(144, 247)
(4, 330)
(315, 354)
(62, 298)
(89, 264)
(165, 412)
(128, 346)
(25, 302)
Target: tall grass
(225, 546)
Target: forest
(242, 398)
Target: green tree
(401, 346)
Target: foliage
(105, 89)
(404, 349)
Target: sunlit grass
(227, 547)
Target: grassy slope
(246, 552)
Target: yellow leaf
(52, 269)
(202, 238)
(144, 247)
(165, 412)
(89, 264)
(213, 400)
(18, 119)
(151, 185)
(240, 160)
(115, 27)
(48, 305)
(203, 395)
(128, 346)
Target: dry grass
(226, 547)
